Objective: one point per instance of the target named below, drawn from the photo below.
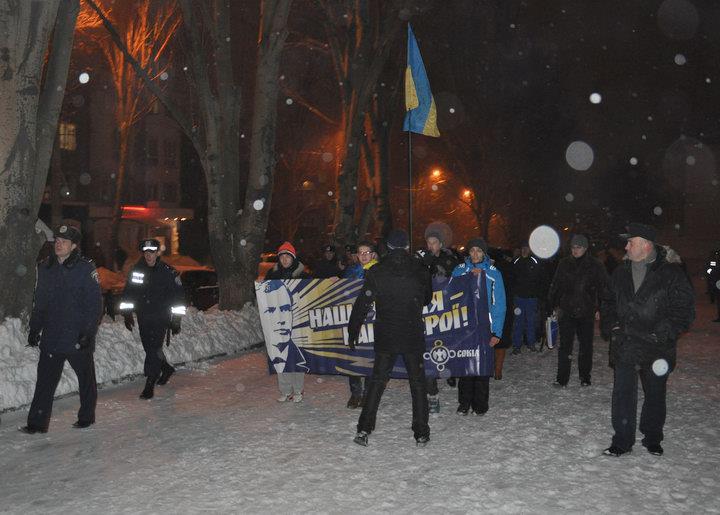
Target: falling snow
(214, 439)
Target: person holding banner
(474, 391)
(400, 287)
(440, 261)
(286, 358)
(366, 258)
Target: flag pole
(410, 188)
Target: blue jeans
(524, 321)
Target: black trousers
(431, 385)
(474, 392)
(152, 335)
(415, 367)
(49, 371)
(624, 406)
(583, 328)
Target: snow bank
(119, 353)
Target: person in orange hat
(288, 266)
(288, 361)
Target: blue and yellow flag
(421, 116)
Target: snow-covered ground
(215, 439)
(119, 353)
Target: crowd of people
(643, 306)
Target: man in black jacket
(65, 316)
(527, 289)
(648, 303)
(575, 294)
(400, 286)
(153, 290)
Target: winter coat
(528, 275)
(495, 291)
(577, 286)
(440, 266)
(296, 270)
(643, 326)
(400, 287)
(153, 291)
(327, 268)
(67, 305)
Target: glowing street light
(436, 173)
(467, 193)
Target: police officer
(153, 290)
(64, 320)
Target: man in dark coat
(154, 291)
(400, 286)
(648, 303)
(65, 316)
(440, 261)
(328, 266)
(575, 296)
(527, 289)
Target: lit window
(67, 132)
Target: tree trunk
(124, 136)
(28, 122)
(254, 221)
(56, 183)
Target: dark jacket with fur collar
(643, 326)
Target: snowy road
(215, 439)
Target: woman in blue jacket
(474, 391)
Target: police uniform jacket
(643, 326)
(67, 305)
(153, 291)
(400, 286)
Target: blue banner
(305, 321)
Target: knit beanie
(287, 248)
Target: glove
(129, 322)
(33, 339)
(175, 326)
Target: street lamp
(436, 173)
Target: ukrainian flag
(421, 116)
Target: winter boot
(353, 402)
(361, 438)
(433, 404)
(149, 390)
(165, 372)
(499, 360)
(422, 441)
